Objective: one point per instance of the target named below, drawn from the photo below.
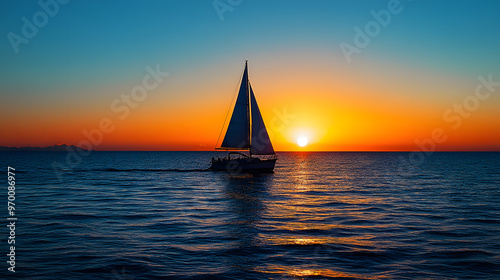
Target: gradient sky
(392, 94)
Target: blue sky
(98, 41)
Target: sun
(302, 141)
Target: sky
(160, 75)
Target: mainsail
(238, 131)
(239, 134)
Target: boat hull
(244, 165)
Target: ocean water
(162, 215)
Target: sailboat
(246, 132)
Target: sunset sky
(419, 71)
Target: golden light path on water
(305, 221)
(305, 272)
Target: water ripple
(162, 215)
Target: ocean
(320, 215)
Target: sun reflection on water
(315, 272)
(320, 221)
(310, 218)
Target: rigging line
(248, 113)
(228, 109)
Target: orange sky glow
(370, 107)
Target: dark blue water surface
(161, 215)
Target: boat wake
(134, 170)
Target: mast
(248, 112)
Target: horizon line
(281, 151)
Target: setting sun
(302, 141)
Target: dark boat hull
(250, 164)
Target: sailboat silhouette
(246, 132)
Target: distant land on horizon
(55, 148)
